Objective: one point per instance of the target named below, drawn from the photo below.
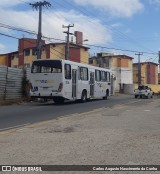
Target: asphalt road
(27, 113)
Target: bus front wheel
(106, 96)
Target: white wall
(123, 76)
(126, 76)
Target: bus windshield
(47, 66)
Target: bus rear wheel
(84, 96)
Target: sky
(112, 26)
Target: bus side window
(108, 77)
(103, 76)
(98, 75)
(84, 73)
(79, 73)
(67, 71)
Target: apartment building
(121, 65)
(27, 52)
(148, 73)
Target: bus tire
(135, 96)
(106, 96)
(84, 96)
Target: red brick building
(26, 53)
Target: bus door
(74, 83)
(92, 84)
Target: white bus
(62, 80)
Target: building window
(106, 62)
(27, 52)
(98, 75)
(34, 51)
(90, 61)
(67, 68)
(84, 73)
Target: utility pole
(139, 68)
(67, 43)
(159, 60)
(38, 6)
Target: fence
(10, 83)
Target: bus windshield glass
(47, 66)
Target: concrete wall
(126, 76)
(29, 59)
(84, 56)
(128, 89)
(156, 74)
(3, 59)
(123, 76)
(14, 61)
(57, 52)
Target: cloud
(116, 25)
(92, 29)
(117, 8)
(9, 3)
(2, 48)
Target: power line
(32, 42)
(118, 49)
(97, 46)
(119, 33)
(16, 28)
(123, 35)
(28, 31)
(8, 36)
(33, 32)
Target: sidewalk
(123, 135)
